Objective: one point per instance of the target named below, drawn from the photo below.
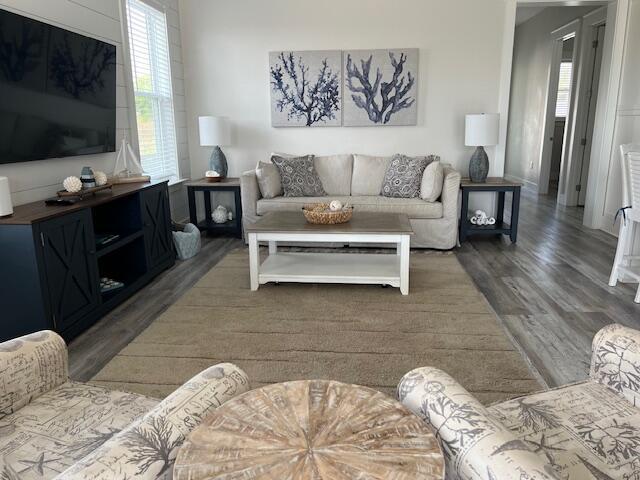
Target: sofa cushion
(583, 429)
(403, 177)
(269, 181)
(62, 426)
(432, 179)
(412, 207)
(335, 172)
(368, 174)
(299, 177)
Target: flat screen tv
(57, 92)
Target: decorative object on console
(220, 214)
(369, 78)
(403, 177)
(87, 178)
(481, 130)
(72, 184)
(109, 284)
(128, 168)
(316, 105)
(6, 206)
(299, 176)
(101, 178)
(323, 214)
(215, 132)
(481, 218)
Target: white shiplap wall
(32, 181)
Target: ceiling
(525, 13)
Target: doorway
(572, 95)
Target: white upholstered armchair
(583, 431)
(51, 427)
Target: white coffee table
(311, 267)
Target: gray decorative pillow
(299, 177)
(403, 177)
(268, 180)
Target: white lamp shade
(6, 207)
(214, 131)
(482, 129)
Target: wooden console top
(37, 211)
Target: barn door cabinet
(52, 258)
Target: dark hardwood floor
(549, 290)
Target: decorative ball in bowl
(323, 214)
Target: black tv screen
(57, 92)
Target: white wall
(226, 45)
(32, 181)
(627, 128)
(529, 78)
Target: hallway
(550, 289)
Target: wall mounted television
(57, 92)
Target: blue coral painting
(306, 88)
(380, 87)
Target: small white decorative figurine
(72, 184)
(481, 218)
(101, 178)
(230, 215)
(220, 214)
(211, 173)
(335, 206)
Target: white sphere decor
(335, 206)
(72, 184)
(100, 178)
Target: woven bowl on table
(320, 214)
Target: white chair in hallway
(630, 213)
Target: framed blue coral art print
(380, 87)
(306, 88)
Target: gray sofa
(357, 179)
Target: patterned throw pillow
(403, 177)
(299, 177)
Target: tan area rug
(366, 335)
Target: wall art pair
(352, 88)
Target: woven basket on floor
(319, 213)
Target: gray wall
(531, 60)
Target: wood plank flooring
(549, 290)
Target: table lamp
(215, 132)
(481, 130)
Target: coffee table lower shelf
(353, 268)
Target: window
(151, 71)
(564, 90)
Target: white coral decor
(72, 184)
(335, 206)
(100, 177)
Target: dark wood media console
(52, 257)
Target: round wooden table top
(316, 430)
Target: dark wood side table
(500, 186)
(229, 184)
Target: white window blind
(151, 71)
(564, 90)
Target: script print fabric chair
(623, 264)
(51, 427)
(584, 431)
